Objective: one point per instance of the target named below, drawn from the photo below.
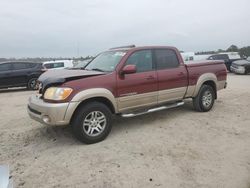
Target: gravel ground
(173, 148)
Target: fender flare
(95, 92)
(202, 79)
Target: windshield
(81, 64)
(106, 61)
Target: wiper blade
(100, 70)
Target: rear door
(172, 76)
(20, 73)
(138, 89)
(5, 75)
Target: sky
(71, 28)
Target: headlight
(57, 93)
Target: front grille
(34, 111)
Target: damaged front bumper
(50, 113)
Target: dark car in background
(228, 58)
(17, 74)
(241, 66)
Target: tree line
(244, 51)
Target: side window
(57, 65)
(217, 57)
(220, 57)
(30, 65)
(19, 66)
(166, 59)
(54, 65)
(5, 67)
(224, 57)
(142, 60)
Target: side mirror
(129, 69)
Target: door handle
(150, 77)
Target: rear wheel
(204, 101)
(32, 84)
(92, 122)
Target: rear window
(54, 65)
(166, 59)
(219, 57)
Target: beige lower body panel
(133, 102)
(190, 91)
(171, 94)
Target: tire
(32, 84)
(86, 125)
(204, 101)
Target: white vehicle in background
(58, 64)
(232, 55)
(81, 64)
(190, 57)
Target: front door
(138, 89)
(20, 73)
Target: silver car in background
(241, 66)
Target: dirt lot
(174, 148)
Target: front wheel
(204, 101)
(32, 84)
(92, 122)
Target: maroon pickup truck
(125, 81)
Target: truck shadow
(138, 122)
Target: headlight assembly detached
(57, 93)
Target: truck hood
(60, 76)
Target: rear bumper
(238, 70)
(50, 113)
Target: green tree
(220, 50)
(233, 48)
(245, 51)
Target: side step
(153, 110)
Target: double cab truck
(125, 81)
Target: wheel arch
(99, 95)
(207, 79)
(102, 100)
